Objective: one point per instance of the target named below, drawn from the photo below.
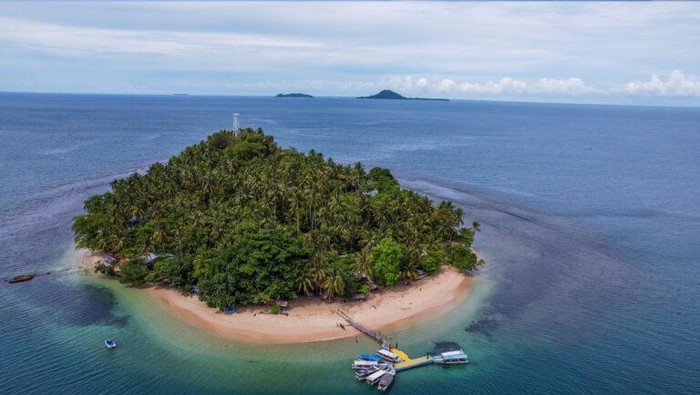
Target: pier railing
(373, 333)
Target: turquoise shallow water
(590, 221)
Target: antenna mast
(236, 125)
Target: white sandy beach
(309, 319)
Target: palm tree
(410, 270)
(476, 227)
(160, 237)
(334, 283)
(305, 281)
(362, 264)
(317, 272)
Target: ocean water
(590, 225)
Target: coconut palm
(334, 283)
(476, 226)
(305, 281)
(362, 265)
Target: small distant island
(391, 95)
(301, 95)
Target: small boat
(388, 355)
(386, 380)
(110, 343)
(363, 364)
(369, 357)
(362, 374)
(21, 278)
(452, 357)
(230, 310)
(373, 378)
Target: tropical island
(391, 95)
(292, 95)
(239, 221)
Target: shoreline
(310, 319)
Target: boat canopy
(370, 357)
(454, 354)
(364, 362)
(376, 375)
(387, 354)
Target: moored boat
(452, 357)
(21, 278)
(364, 364)
(370, 357)
(373, 378)
(363, 373)
(109, 343)
(387, 355)
(386, 380)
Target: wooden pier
(374, 334)
(403, 360)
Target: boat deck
(408, 362)
(413, 363)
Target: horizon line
(669, 104)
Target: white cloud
(503, 86)
(443, 49)
(677, 84)
(74, 40)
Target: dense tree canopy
(248, 222)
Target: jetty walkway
(374, 334)
(408, 362)
(398, 362)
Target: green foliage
(387, 257)
(247, 150)
(364, 289)
(133, 272)
(466, 235)
(462, 257)
(382, 180)
(432, 261)
(176, 271)
(275, 309)
(254, 268)
(220, 140)
(248, 222)
(105, 269)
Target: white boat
(388, 355)
(373, 378)
(362, 374)
(364, 364)
(109, 343)
(452, 357)
(386, 380)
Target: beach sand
(310, 319)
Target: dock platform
(413, 363)
(408, 362)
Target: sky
(647, 53)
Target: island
(298, 95)
(391, 95)
(242, 225)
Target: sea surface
(590, 226)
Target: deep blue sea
(590, 226)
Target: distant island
(303, 95)
(238, 220)
(391, 95)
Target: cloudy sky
(591, 52)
